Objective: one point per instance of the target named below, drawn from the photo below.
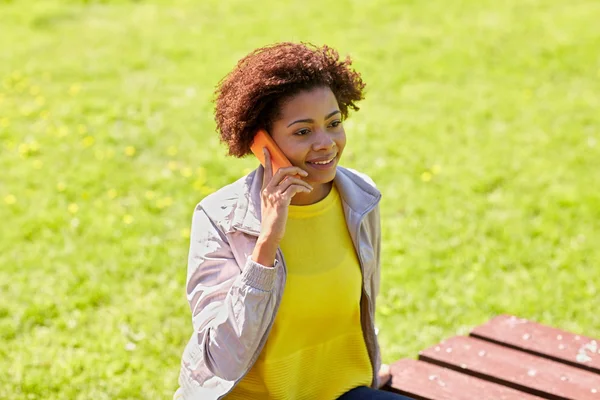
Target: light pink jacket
(234, 300)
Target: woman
(283, 267)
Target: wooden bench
(506, 358)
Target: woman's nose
(323, 140)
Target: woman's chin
(320, 175)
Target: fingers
(293, 190)
(268, 173)
(384, 374)
(285, 180)
(285, 173)
(292, 181)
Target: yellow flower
(88, 141)
(73, 208)
(128, 219)
(24, 149)
(186, 172)
(4, 122)
(34, 146)
(61, 186)
(129, 151)
(34, 90)
(112, 193)
(74, 89)
(17, 75)
(44, 114)
(172, 165)
(85, 195)
(172, 151)
(40, 100)
(436, 169)
(10, 199)
(62, 131)
(164, 202)
(185, 233)
(426, 176)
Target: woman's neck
(319, 192)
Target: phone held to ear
(278, 159)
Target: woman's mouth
(325, 164)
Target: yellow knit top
(315, 349)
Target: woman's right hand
(275, 197)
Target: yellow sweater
(316, 348)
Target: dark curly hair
(250, 96)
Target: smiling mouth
(325, 162)
(322, 163)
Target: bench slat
(544, 341)
(424, 381)
(513, 368)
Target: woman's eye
(303, 132)
(336, 123)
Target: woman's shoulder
(357, 175)
(224, 199)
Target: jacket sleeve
(231, 306)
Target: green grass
(480, 126)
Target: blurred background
(480, 126)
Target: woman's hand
(275, 197)
(384, 375)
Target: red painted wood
(513, 368)
(424, 381)
(555, 344)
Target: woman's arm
(231, 310)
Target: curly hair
(251, 95)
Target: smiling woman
(314, 139)
(283, 270)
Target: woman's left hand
(384, 374)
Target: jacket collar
(357, 195)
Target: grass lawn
(481, 127)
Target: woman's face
(309, 131)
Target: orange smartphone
(278, 159)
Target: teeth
(323, 162)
